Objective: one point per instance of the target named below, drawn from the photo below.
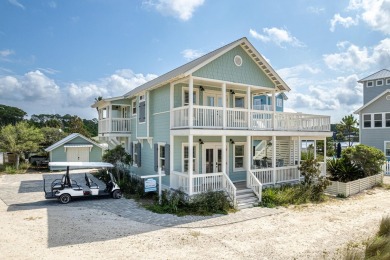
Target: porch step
(246, 198)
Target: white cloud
(344, 21)
(190, 54)
(357, 58)
(297, 71)
(49, 70)
(16, 3)
(315, 10)
(276, 35)
(376, 13)
(52, 4)
(182, 9)
(6, 52)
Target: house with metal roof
(201, 126)
(374, 115)
(75, 148)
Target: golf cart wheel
(65, 198)
(117, 194)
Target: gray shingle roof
(67, 139)
(377, 75)
(182, 70)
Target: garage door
(77, 154)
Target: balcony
(213, 117)
(114, 125)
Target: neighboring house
(264, 102)
(199, 124)
(75, 148)
(374, 115)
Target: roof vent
(238, 60)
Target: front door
(212, 158)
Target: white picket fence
(353, 187)
(386, 168)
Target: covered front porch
(218, 162)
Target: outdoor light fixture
(231, 141)
(201, 88)
(201, 141)
(232, 92)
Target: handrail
(255, 185)
(230, 188)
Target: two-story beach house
(204, 126)
(374, 115)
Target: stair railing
(230, 189)
(255, 185)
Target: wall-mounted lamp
(201, 88)
(231, 141)
(201, 141)
(232, 92)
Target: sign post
(150, 183)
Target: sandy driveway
(48, 231)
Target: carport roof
(69, 138)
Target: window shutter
(167, 159)
(138, 147)
(156, 157)
(141, 116)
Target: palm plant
(347, 127)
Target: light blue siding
(223, 68)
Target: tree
(51, 136)
(347, 129)
(76, 125)
(10, 115)
(117, 156)
(20, 138)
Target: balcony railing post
(224, 123)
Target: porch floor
(240, 185)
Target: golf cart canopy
(82, 164)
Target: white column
(274, 156)
(147, 112)
(171, 159)
(171, 103)
(248, 156)
(299, 154)
(248, 101)
(324, 172)
(224, 117)
(315, 149)
(109, 115)
(223, 140)
(191, 102)
(190, 163)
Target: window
(370, 83)
(161, 157)
(279, 102)
(388, 81)
(142, 109)
(387, 118)
(377, 120)
(238, 157)
(387, 148)
(185, 158)
(103, 113)
(135, 154)
(186, 98)
(124, 112)
(379, 82)
(239, 101)
(134, 107)
(367, 120)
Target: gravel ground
(31, 228)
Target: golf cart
(65, 189)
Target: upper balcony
(114, 119)
(246, 119)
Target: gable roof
(372, 101)
(67, 139)
(194, 65)
(385, 73)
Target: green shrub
(10, 169)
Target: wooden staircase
(245, 197)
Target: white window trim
(372, 84)
(373, 119)
(159, 158)
(183, 90)
(134, 152)
(384, 148)
(378, 83)
(134, 101)
(196, 157)
(214, 92)
(364, 120)
(279, 102)
(234, 157)
(388, 81)
(234, 100)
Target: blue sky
(57, 56)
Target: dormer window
(388, 81)
(370, 84)
(379, 82)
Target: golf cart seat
(90, 184)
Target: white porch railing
(238, 118)
(230, 189)
(207, 182)
(254, 184)
(180, 181)
(282, 174)
(114, 125)
(386, 168)
(263, 107)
